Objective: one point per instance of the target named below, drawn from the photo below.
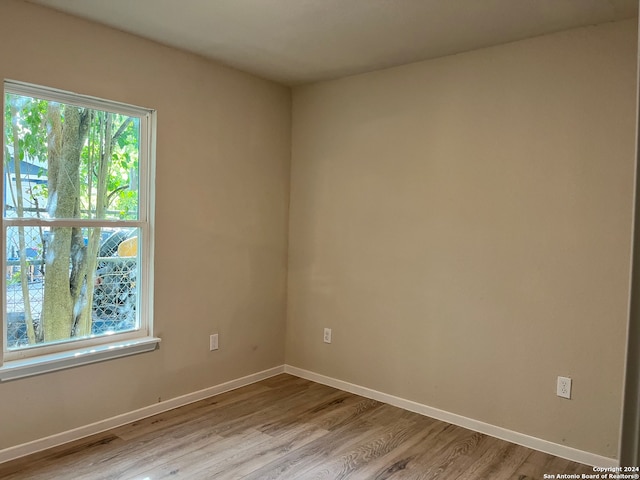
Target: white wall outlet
(327, 335)
(564, 387)
(213, 342)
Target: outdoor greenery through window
(76, 216)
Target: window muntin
(76, 221)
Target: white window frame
(35, 360)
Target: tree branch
(121, 130)
(119, 189)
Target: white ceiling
(300, 41)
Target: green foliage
(122, 198)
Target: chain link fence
(114, 287)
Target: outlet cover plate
(327, 335)
(564, 387)
(213, 342)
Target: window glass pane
(83, 286)
(67, 162)
(71, 182)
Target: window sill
(73, 358)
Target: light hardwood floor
(288, 428)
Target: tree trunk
(84, 322)
(59, 310)
(24, 267)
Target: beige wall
(222, 188)
(463, 225)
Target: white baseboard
(18, 451)
(476, 425)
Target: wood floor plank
(192, 410)
(377, 444)
(533, 467)
(394, 464)
(444, 446)
(305, 407)
(457, 457)
(483, 465)
(293, 463)
(419, 454)
(556, 466)
(247, 458)
(288, 428)
(189, 460)
(343, 413)
(58, 455)
(502, 466)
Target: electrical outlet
(327, 335)
(213, 342)
(564, 387)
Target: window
(77, 229)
